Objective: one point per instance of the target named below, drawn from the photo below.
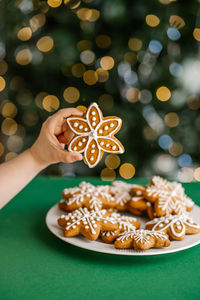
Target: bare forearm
(16, 174)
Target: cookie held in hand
(176, 226)
(94, 135)
(87, 223)
(142, 240)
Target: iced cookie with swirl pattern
(168, 197)
(142, 240)
(94, 135)
(176, 226)
(87, 223)
(125, 223)
(87, 195)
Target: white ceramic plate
(189, 241)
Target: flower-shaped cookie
(87, 195)
(176, 226)
(142, 240)
(88, 223)
(168, 197)
(125, 223)
(94, 135)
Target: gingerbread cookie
(120, 191)
(168, 197)
(94, 135)
(87, 223)
(87, 195)
(176, 226)
(125, 223)
(142, 240)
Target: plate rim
(126, 252)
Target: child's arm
(18, 172)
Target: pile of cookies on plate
(101, 212)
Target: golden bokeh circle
(8, 126)
(112, 161)
(90, 77)
(45, 44)
(163, 93)
(10, 155)
(103, 41)
(133, 94)
(107, 62)
(1, 149)
(9, 110)
(82, 108)
(108, 174)
(176, 22)
(102, 74)
(135, 44)
(130, 57)
(24, 34)
(197, 174)
(152, 20)
(30, 117)
(78, 70)
(196, 34)
(171, 119)
(39, 98)
(71, 94)
(127, 170)
(50, 103)
(175, 149)
(37, 21)
(3, 67)
(54, 3)
(24, 57)
(2, 83)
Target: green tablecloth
(36, 265)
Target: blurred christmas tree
(138, 59)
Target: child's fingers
(69, 157)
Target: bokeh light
(82, 108)
(24, 57)
(71, 94)
(37, 21)
(102, 74)
(10, 155)
(185, 160)
(176, 21)
(2, 83)
(9, 126)
(196, 34)
(45, 44)
(127, 170)
(171, 119)
(133, 95)
(9, 109)
(135, 44)
(107, 174)
(197, 174)
(30, 117)
(163, 93)
(107, 62)
(90, 77)
(39, 98)
(152, 20)
(3, 67)
(165, 141)
(186, 175)
(175, 149)
(78, 70)
(24, 34)
(112, 161)
(54, 3)
(1, 149)
(87, 57)
(14, 143)
(50, 103)
(103, 41)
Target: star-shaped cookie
(94, 135)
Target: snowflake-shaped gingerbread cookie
(142, 240)
(87, 223)
(87, 195)
(176, 226)
(125, 223)
(168, 197)
(94, 135)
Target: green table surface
(34, 264)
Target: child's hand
(49, 146)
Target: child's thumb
(69, 157)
